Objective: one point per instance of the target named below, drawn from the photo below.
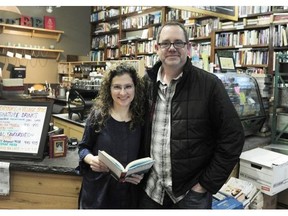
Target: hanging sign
(226, 12)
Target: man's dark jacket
(207, 136)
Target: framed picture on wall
(58, 145)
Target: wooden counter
(30, 190)
(72, 127)
(49, 184)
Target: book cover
(119, 172)
(49, 22)
(58, 145)
(280, 17)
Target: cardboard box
(267, 170)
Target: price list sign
(21, 128)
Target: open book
(119, 172)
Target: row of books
(97, 55)
(106, 27)
(131, 9)
(198, 30)
(280, 34)
(247, 10)
(248, 57)
(141, 21)
(259, 20)
(251, 57)
(146, 47)
(246, 37)
(102, 15)
(200, 49)
(244, 11)
(112, 53)
(150, 33)
(150, 60)
(105, 40)
(128, 49)
(176, 14)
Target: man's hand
(198, 188)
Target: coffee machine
(80, 102)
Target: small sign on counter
(4, 179)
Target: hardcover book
(119, 172)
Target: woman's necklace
(125, 116)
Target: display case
(244, 93)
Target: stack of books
(241, 190)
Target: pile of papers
(242, 191)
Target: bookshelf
(134, 35)
(105, 30)
(268, 27)
(200, 31)
(138, 33)
(129, 33)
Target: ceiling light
(49, 9)
(12, 9)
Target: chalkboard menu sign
(23, 128)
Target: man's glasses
(176, 44)
(118, 88)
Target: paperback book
(119, 172)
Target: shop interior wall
(73, 20)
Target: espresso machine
(80, 101)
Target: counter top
(62, 165)
(58, 99)
(66, 165)
(253, 141)
(75, 118)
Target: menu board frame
(44, 118)
(225, 12)
(226, 60)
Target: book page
(111, 162)
(138, 162)
(139, 166)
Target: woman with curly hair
(115, 126)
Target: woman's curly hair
(104, 102)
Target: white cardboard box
(266, 169)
